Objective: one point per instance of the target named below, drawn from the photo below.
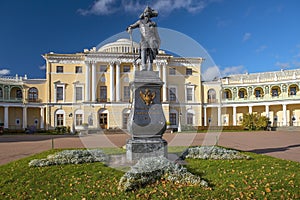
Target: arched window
(258, 92)
(242, 93)
(211, 95)
(103, 118)
(79, 117)
(227, 94)
(293, 89)
(19, 93)
(60, 118)
(275, 91)
(33, 94)
(190, 117)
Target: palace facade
(92, 88)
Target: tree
(253, 121)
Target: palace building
(92, 88)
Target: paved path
(285, 145)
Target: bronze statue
(150, 40)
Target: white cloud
(240, 69)
(106, 7)
(211, 73)
(43, 67)
(246, 37)
(283, 65)
(4, 72)
(100, 7)
(261, 48)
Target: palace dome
(120, 46)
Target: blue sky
(239, 35)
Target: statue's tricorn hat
(153, 13)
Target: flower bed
(149, 170)
(213, 152)
(71, 157)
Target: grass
(259, 178)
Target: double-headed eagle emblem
(147, 97)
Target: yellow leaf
(267, 189)
(231, 185)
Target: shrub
(213, 152)
(252, 121)
(71, 157)
(149, 170)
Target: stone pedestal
(143, 148)
(146, 121)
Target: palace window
(293, 90)
(190, 118)
(126, 93)
(78, 69)
(78, 119)
(79, 93)
(59, 69)
(33, 94)
(1, 92)
(211, 95)
(172, 94)
(173, 118)
(275, 92)
(190, 93)
(189, 71)
(103, 68)
(59, 119)
(241, 94)
(258, 92)
(172, 71)
(103, 122)
(126, 69)
(59, 93)
(103, 93)
(19, 94)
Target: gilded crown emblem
(147, 97)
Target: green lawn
(259, 178)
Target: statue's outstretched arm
(133, 26)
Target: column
(219, 116)
(267, 110)
(250, 109)
(42, 118)
(6, 117)
(134, 66)
(205, 115)
(284, 121)
(165, 82)
(87, 82)
(158, 66)
(234, 115)
(112, 82)
(118, 81)
(24, 117)
(94, 82)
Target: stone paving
(284, 145)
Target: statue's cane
(130, 34)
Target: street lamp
(179, 123)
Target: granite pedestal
(146, 122)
